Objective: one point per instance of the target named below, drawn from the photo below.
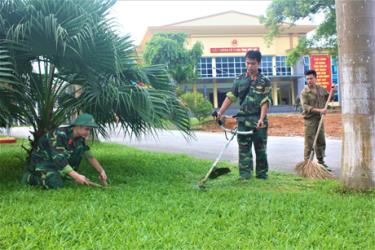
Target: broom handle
(320, 126)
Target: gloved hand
(216, 114)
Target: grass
(153, 203)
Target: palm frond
(61, 57)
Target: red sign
(232, 50)
(322, 65)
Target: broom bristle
(313, 170)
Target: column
(195, 87)
(216, 103)
(274, 94)
(293, 93)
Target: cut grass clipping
(152, 204)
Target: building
(226, 38)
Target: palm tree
(62, 57)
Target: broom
(310, 169)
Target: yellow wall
(280, 45)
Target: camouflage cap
(85, 120)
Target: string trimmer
(214, 171)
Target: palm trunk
(42, 117)
(356, 40)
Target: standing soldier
(59, 154)
(253, 90)
(313, 99)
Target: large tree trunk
(356, 40)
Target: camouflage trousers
(44, 174)
(48, 179)
(245, 143)
(311, 126)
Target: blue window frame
(282, 68)
(205, 67)
(266, 65)
(306, 63)
(229, 67)
(335, 75)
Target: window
(306, 63)
(282, 69)
(335, 74)
(334, 70)
(229, 67)
(266, 65)
(205, 67)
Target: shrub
(199, 106)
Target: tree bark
(356, 42)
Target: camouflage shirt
(311, 98)
(252, 94)
(59, 151)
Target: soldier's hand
(323, 111)
(216, 115)
(260, 124)
(103, 177)
(81, 179)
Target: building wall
(280, 45)
(235, 31)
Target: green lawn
(153, 203)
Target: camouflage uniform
(252, 94)
(313, 99)
(57, 154)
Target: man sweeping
(313, 99)
(59, 154)
(253, 90)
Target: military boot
(321, 162)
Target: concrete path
(283, 152)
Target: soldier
(253, 90)
(313, 99)
(59, 154)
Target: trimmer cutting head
(218, 172)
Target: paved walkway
(283, 152)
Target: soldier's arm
(81, 179)
(95, 164)
(267, 94)
(55, 145)
(265, 103)
(232, 97)
(61, 155)
(307, 108)
(325, 93)
(226, 104)
(263, 113)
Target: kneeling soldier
(59, 154)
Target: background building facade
(226, 37)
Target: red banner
(232, 50)
(322, 65)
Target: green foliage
(169, 49)
(157, 206)
(300, 50)
(62, 57)
(199, 106)
(281, 11)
